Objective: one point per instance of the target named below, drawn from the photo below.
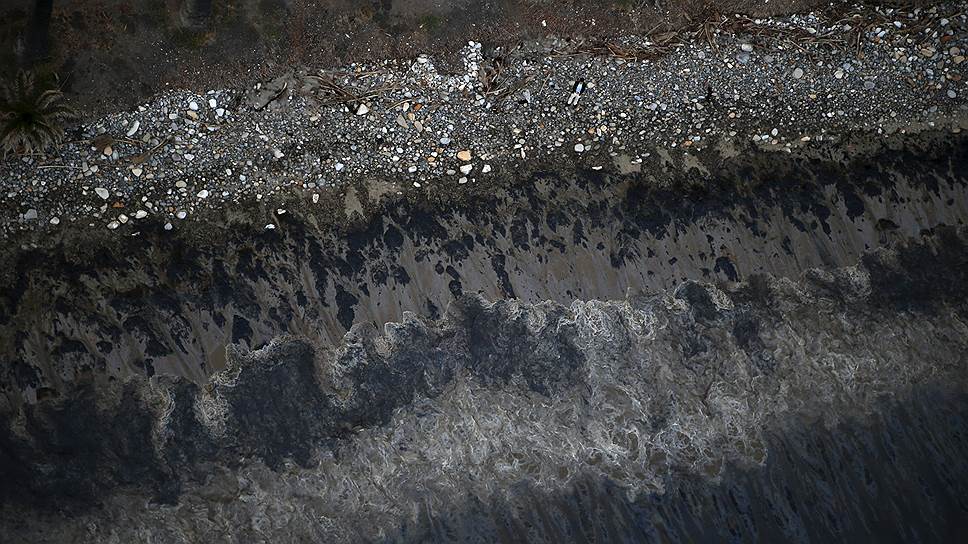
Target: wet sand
(171, 304)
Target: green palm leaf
(31, 119)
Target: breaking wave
(776, 408)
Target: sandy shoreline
(172, 302)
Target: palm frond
(31, 119)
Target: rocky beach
(699, 284)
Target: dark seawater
(895, 477)
(830, 408)
(821, 398)
(171, 302)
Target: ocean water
(796, 375)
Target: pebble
(108, 150)
(30, 215)
(952, 94)
(203, 193)
(486, 169)
(140, 214)
(133, 128)
(167, 226)
(212, 103)
(54, 220)
(102, 192)
(193, 105)
(748, 47)
(797, 73)
(113, 225)
(579, 148)
(362, 110)
(464, 155)
(466, 169)
(137, 171)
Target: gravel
(542, 102)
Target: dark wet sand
(170, 303)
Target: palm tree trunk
(196, 13)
